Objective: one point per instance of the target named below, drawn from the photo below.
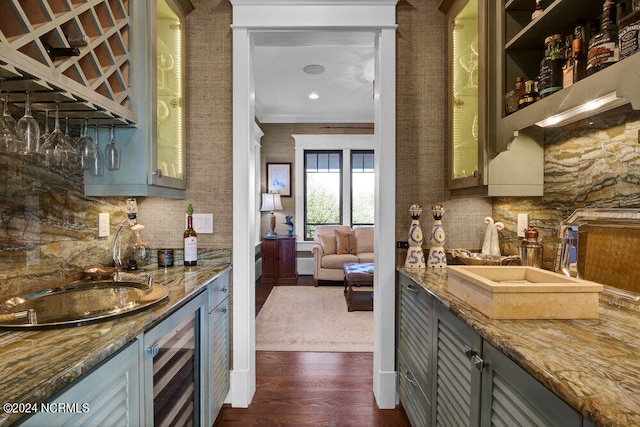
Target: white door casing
(250, 18)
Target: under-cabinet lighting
(313, 96)
(589, 108)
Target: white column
(243, 375)
(384, 371)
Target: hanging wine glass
(87, 146)
(97, 167)
(28, 130)
(7, 119)
(9, 140)
(56, 148)
(165, 63)
(112, 151)
(44, 136)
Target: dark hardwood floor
(311, 389)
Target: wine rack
(95, 84)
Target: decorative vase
(289, 224)
(437, 256)
(415, 256)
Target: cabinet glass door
(464, 72)
(169, 147)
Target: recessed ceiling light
(313, 69)
(314, 95)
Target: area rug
(305, 318)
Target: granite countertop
(36, 364)
(592, 364)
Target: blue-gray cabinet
(176, 371)
(448, 375)
(219, 344)
(108, 395)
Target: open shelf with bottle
(522, 40)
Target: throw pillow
(328, 243)
(345, 242)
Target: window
(322, 190)
(362, 188)
(335, 195)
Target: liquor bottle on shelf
(190, 241)
(579, 59)
(550, 78)
(538, 10)
(529, 96)
(60, 52)
(511, 98)
(603, 46)
(567, 67)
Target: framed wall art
(279, 178)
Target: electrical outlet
(523, 224)
(104, 225)
(202, 223)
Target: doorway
(250, 20)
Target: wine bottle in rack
(190, 241)
(60, 52)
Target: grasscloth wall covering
(421, 135)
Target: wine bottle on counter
(190, 241)
(60, 52)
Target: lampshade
(271, 202)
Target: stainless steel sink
(79, 302)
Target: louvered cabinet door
(218, 358)
(414, 334)
(512, 397)
(456, 386)
(109, 395)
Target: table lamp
(271, 202)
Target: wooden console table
(279, 263)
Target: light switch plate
(103, 224)
(202, 223)
(523, 223)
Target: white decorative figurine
(437, 256)
(491, 244)
(415, 256)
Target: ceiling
(345, 88)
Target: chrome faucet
(569, 253)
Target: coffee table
(357, 274)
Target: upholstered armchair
(335, 245)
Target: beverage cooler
(174, 367)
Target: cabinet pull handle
(223, 290)
(157, 172)
(153, 350)
(411, 381)
(223, 309)
(478, 362)
(412, 289)
(469, 353)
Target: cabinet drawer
(218, 290)
(414, 401)
(414, 335)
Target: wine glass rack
(95, 84)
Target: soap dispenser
(531, 249)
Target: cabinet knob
(157, 172)
(412, 289)
(223, 290)
(223, 309)
(153, 350)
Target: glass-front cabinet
(117, 65)
(168, 156)
(466, 93)
(154, 151)
(478, 165)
